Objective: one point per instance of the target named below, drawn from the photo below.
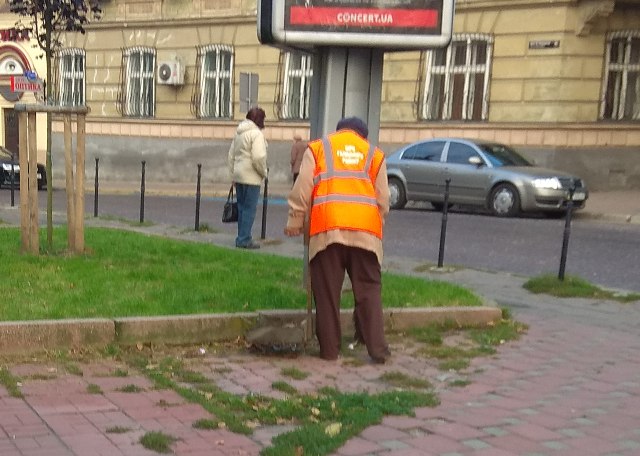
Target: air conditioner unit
(170, 72)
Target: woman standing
(248, 166)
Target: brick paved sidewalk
(566, 388)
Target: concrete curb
(183, 329)
(31, 337)
(633, 219)
(25, 337)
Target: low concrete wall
(603, 169)
(167, 159)
(27, 337)
(176, 160)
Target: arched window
(138, 94)
(71, 82)
(621, 85)
(214, 83)
(454, 81)
(294, 94)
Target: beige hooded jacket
(247, 158)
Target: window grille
(294, 95)
(71, 80)
(621, 84)
(214, 82)
(138, 96)
(454, 81)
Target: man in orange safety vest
(342, 188)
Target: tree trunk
(49, 86)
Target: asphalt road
(603, 253)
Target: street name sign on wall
(25, 84)
(386, 24)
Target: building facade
(168, 81)
(18, 54)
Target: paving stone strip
(564, 388)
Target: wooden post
(80, 178)
(23, 160)
(68, 171)
(33, 184)
(29, 170)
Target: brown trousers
(327, 270)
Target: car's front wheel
(504, 200)
(398, 196)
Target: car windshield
(4, 154)
(501, 155)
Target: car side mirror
(475, 160)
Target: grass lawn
(575, 287)
(131, 274)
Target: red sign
(13, 34)
(22, 84)
(363, 17)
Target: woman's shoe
(251, 245)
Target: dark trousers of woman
(248, 196)
(327, 270)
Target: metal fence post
(142, 193)
(197, 224)
(264, 206)
(566, 234)
(95, 193)
(12, 184)
(443, 228)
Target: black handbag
(230, 210)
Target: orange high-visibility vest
(344, 195)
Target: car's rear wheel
(504, 200)
(398, 196)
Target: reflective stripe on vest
(344, 199)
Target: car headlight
(548, 182)
(7, 167)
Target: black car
(6, 163)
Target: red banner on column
(363, 17)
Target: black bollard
(12, 182)
(142, 193)
(443, 229)
(197, 225)
(95, 192)
(264, 206)
(566, 234)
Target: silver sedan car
(482, 173)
